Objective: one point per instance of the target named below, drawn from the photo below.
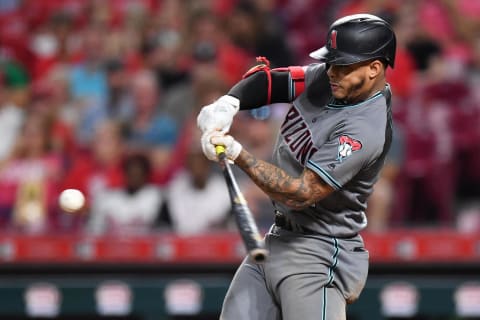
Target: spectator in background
(208, 42)
(126, 23)
(164, 42)
(164, 57)
(88, 83)
(50, 99)
(382, 201)
(55, 86)
(119, 104)
(467, 131)
(30, 178)
(151, 130)
(402, 78)
(171, 15)
(132, 208)
(430, 147)
(181, 101)
(379, 7)
(50, 43)
(14, 98)
(99, 167)
(208, 204)
(306, 22)
(255, 27)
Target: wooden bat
(243, 216)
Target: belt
(283, 222)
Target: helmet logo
(333, 39)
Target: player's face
(353, 83)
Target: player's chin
(338, 93)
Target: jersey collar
(336, 104)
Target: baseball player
(328, 154)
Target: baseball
(71, 200)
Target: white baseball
(71, 200)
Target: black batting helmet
(357, 38)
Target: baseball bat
(243, 216)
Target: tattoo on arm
(295, 192)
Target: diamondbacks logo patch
(347, 146)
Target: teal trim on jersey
(331, 273)
(324, 174)
(324, 307)
(343, 106)
(291, 89)
(331, 276)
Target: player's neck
(377, 87)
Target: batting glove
(208, 147)
(218, 116)
(232, 147)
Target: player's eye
(341, 70)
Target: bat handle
(220, 150)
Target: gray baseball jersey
(313, 275)
(343, 144)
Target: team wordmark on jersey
(297, 136)
(347, 146)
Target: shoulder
(316, 78)
(369, 126)
(317, 83)
(314, 70)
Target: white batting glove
(218, 116)
(232, 146)
(208, 147)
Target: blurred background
(102, 96)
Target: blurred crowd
(102, 96)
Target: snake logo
(347, 146)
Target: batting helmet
(357, 38)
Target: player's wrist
(234, 151)
(230, 101)
(232, 147)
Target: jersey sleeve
(315, 72)
(345, 153)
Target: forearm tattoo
(295, 192)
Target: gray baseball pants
(307, 277)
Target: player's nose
(331, 72)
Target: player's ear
(375, 69)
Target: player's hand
(232, 146)
(218, 116)
(208, 147)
